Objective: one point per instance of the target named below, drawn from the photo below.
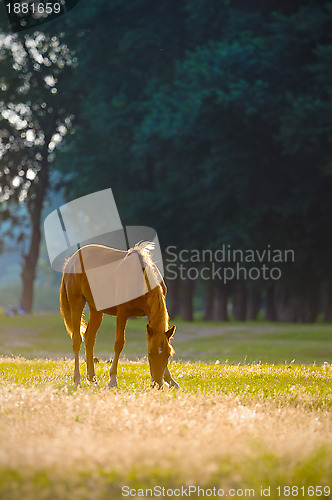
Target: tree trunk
(270, 309)
(209, 301)
(313, 301)
(28, 273)
(287, 306)
(239, 308)
(328, 303)
(308, 302)
(173, 287)
(187, 300)
(254, 302)
(220, 303)
(30, 261)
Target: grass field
(247, 417)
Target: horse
(75, 293)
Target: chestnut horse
(75, 293)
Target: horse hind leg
(76, 315)
(90, 339)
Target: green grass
(256, 426)
(309, 386)
(247, 415)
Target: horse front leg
(90, 340)
(77, 310)
(169, 379)
(119, 343)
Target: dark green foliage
(211, 121)
(217, 117)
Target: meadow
(252, 418)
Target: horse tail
(65, 307)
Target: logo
(133, 266)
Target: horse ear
(149, 330)
(170, 332)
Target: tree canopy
(211, 122)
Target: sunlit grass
(247, 415)
(229, 426)
(309, 386)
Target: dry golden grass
(60, 443)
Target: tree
(34, 122)
(247, 121)
(214, 126)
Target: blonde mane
(158, 314)
(158, 317)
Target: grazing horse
(75, 293)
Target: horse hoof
(93, 381)
(155, 385)
(174, 385)
(112, 385)
(113, 382)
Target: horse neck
(157, 311)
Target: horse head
(159, 352)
